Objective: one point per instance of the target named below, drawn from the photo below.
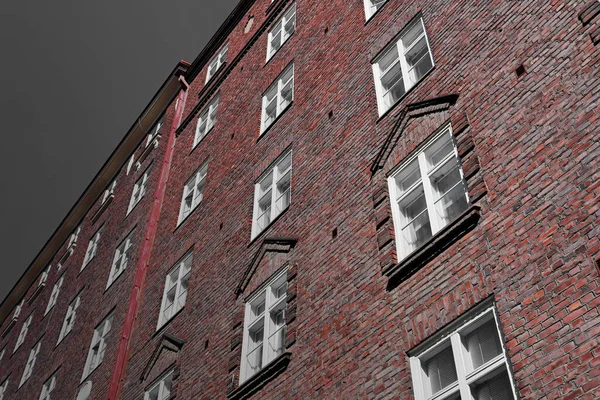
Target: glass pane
(412, 205)
(445, 178)
(419, 61)
(287, 94)
(439, 150)
(417, 232)
(290, 26)
(388, 59)
(275, 41)
(440, 370)
(497, 388)
(407, 177)
(258, 307)
(393, 85)
(452, 204)
(412, 34)
(280, 291)
(284, 192)
(483, 344)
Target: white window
(402, 65)
(98, 346)
(264, 326)
(277, 97)
(176, 288)
(120, 260)
(30, 363)
(206, 120)
(155, 131)
(91, 249)
(161, 390)
(84, 391)
(467, 361)
(281, 31)
(44, 276)
(48, 387)
(2, 353)
(139, 189)
(371, 6)
(54, 294)
(74, 236)
(109, 191)
(193, 192)
(216, 62)
(18, 310)
(3, 388)
(272, 193)
(23, 333)
(69, 320)
(428, 191)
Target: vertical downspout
(116, 382)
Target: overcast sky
(74, 75)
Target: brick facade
(529, 241)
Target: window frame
(465, 324)
(276, 176)
(139, 189)
(435, 221)
(99, 338)
(92, 248)
(23, 332)
(287, 16)
(3, 387)
(155, 131)
(179, 267)
(218, 60)
(277, 86)
(397, 44)
(48, 386)
(264, 295)
(109, 191)
(369, 13)
(54, 295)
(198, 178)
(160, 383)
(30, 364)
(69, 319)
(121, 257)
(208, 118)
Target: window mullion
(428, 190)
(403, 65)
(267, 326)
(461, 373)
(274, 192)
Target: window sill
(277, 118)
(102, 208)
(261, 378)
(398, 273)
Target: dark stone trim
(258, 381)
(168, 342)
(35, 293)
(102, 208)
(398, 273)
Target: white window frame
(206, 120)
(85, 391)
(2, 353)
(407, 80)
(92, 248)
(3, 388)
(30, 362)
(18, 310)
(275, 93)
(194, 187)
(109, 191)
(280, 28)
(54, 295)
(177, 283)
(216, 62)
(48, 387)
(120, 259)
(467, 374)
(161, 388)
(139, 189)
(73, 238)
(437, 223)
(372, 6)
(23, 332)
(277, 196)
(98, 346)
(69, 320)
(268, 301)
(155, 131)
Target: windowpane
(412, 34)
(440, 370)
(483, 344)
(393, 84)
(408, 177)
(176, 289)
(277, 97)
(497, 388)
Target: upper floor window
(206, 120)
(92, 248)
(427, 191)
(272, 193)
(281, 31)
(44, 276)
(120, 260)
(216, 62)
(73, 237)
(371, 7)
(69, 320)
(161, 390)
(85, 391)
(30, 362)
(264, 326)
(404, 63)
(139, 189)
(18, 310)
(278, 97)
(193, 192)
(48, 387)
(109, 191)
(54, 294)
(98, 345)
(176, 288)
(466, 361)
(155, 131)
(3, 388)
(23, 332)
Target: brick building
(338, 200)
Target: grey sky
(74, 75)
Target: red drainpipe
(116, 382)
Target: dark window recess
(520, 71)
